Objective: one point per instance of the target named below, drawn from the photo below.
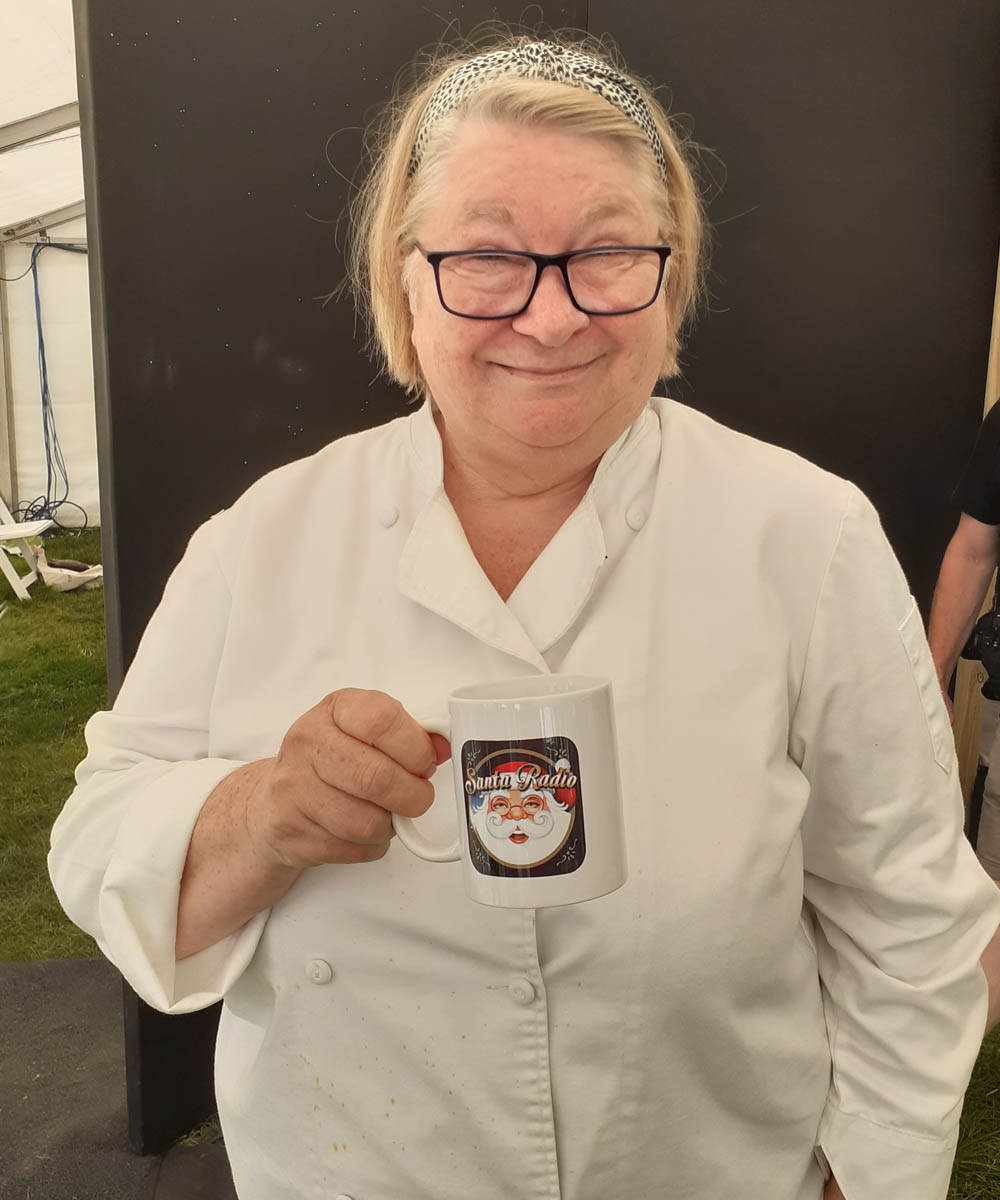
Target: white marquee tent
(41, 201)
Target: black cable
(14, 278)
(46, 507)
(38, 510)
(55, 246)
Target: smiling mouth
(547, 372)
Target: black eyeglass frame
(541, 261)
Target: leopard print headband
(538, 60)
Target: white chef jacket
(791, 971)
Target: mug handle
(407, 831)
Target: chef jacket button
(635, 517)
(319, 970)
(388, 516)
(522, 991)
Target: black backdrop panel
(856, 205)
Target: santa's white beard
(546, 834)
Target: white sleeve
(903, 908)
(118, 847)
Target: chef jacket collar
(438, 570)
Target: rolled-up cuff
(873, 1162)
(136, 919)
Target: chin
(548, 435)
(553, 418)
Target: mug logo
(524, 807)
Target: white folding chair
(17, 533)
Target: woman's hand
(343, 768)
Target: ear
(405, 263)
(410, 289)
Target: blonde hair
(393, 196)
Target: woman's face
(552, 384)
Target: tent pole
(30, 129)
(8, 455)
(43, 222)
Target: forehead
(536, 182)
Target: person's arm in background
(966, 570)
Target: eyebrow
(499, 214)
(606, 210)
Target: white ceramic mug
(537, 790)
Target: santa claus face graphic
(519, 822)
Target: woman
(788, 982)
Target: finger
(381, 721)
(351, 769)
(442, 748)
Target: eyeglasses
(606, 281)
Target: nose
(551, 318)
(516, 812)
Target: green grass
(52, 678)
(976, 1175)
(204, 1134)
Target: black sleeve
(978, 491)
